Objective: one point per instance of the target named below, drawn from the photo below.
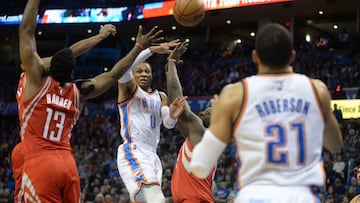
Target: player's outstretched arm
(85, 45)
(190, 124)
(104, 81)
(170, 114)
(172, 79)
(332, 134)
(31, 62)
(224, 111)
(162, 48)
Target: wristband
(139, 45)
(171, 60)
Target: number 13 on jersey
(278, 149)
(59, 118)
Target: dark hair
(274, 45)
(62, 65)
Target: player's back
(47, 118)
(279, 132)
(141, 119)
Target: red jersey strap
(29, 108)
(188, 144)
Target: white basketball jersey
(141, 120)
(279, 132)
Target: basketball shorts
(50, 176)
(138, 166)
(17, 160)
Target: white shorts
(275, 194)
(138, 166)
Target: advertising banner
(126, 13)
(350, 107)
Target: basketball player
(279, 120)
(185, 187)
(142, 111)
(356, 199)
(17, 156)
(49, 106)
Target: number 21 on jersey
(278, 148)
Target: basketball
(189, 12)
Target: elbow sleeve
(126, 77)
(138, 60)
(205, 154)
(168, 122)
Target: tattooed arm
(190, 124)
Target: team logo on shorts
(137, 173)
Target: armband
(205, 154)
(144, 54)
(126, 77)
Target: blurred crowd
(96, 138)
(204, 72)
(207, 69)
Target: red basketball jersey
(47, 118)
(19, 97)
(185, 187)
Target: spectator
(339, 167)
(339, 188)
(330, 193)
(320, 195)
(350, 193)
(338, 114)
(115, 197)
(108, 199)
(345, 199)
(222, 192)
(99, 198)
(354, 183)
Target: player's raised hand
(144, 40)
(179, 50)
(177, 107)
(165, 47)
(107, 30)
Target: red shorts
(50, 176)
(17, 160)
